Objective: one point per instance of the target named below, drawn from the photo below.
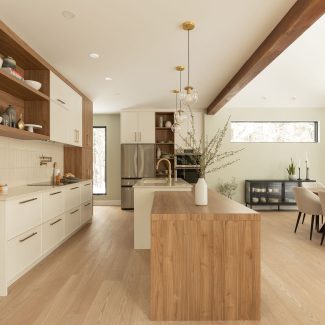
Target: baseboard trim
(107, 202)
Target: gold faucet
(169, 169)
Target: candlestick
(299, 179)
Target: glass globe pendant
(189, 95)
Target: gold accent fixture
(169, 169)
(180, 68)
(188, 25)
(175, 91)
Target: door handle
(61, 101)
(55, 193)
(22, 202)
(73, 212)
(73, 188)
(32, 235)
(53, 223)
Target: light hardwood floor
(97, 278)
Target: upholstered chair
(308, 203)
(322, 201)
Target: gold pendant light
(189, 95)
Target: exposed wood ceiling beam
(298, 19)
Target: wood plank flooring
(97, 278)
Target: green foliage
(228, 189)
(291, 168)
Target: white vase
(292, 177)
(201, 192)
(158, 153)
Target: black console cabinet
(271, 192)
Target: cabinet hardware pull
(61, 101)
(74, 188)
(87, 204)
(87, 184)
(53, 223)
(31, 235)
(73, 212)
(55, 193)
(22, 202)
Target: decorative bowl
(34, 84)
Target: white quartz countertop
(19, 191)
(161, 183)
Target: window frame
(316, 127)
(106, 184)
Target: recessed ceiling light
(94, 55)
(108, 78)
(68, 14)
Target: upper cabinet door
(65, 113)
(129, 127)
(146, 127)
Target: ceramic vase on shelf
(201, 192)
(158, 153)
(292, 177)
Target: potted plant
(229, 188)
(292, 171)
(210, 158)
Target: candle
(299, 163)
(306, 159)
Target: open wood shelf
(19, 88)
(6, 131)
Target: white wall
(20, 162)
(267, 160)
(113, 151)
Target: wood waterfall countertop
(205, 261)
(178, 204)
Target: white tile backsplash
(20, 161)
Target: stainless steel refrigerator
(138, 161)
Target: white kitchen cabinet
(53, 204)
(86, 191)
(72, 220)
(187, 126)
(138, 127)
(33, 224)
(86, 212)
(72, 196)
(23, 251)
(23, 214)
(53, 232)
(65, 113)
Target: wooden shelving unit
(19, 88)
(34, 105)
(165, 139)
(7, 131)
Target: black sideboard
(271, 192)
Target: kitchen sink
(154, 181)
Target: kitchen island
(205, 261)
(143, 197)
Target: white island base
(143, 198)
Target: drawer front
(86, 191)
(23, 214)
(53, 204)
(86, 211)
(72, 197)
(72, 220)
(22, 251)
(53, 231)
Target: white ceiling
(140, 42)
(295, 79)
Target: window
(274, 131)
(99, 178)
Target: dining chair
(321, 195)
(312, 185)
(308, 203)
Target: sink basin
(154, 181)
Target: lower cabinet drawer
(23, 251)
(72, 196)
(53, 204)
(23, 214)
(53, 232)
(72, 220)
(86, 211)
(86, 191)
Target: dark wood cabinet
(271, 192)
